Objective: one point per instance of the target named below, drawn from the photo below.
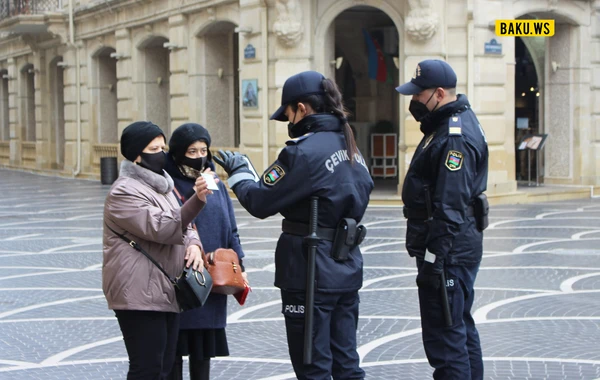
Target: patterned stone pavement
(537, 306)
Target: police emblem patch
(273, 175)
(428, 140)
(417, 72)
(454, 160)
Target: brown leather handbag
(225, 270)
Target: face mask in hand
(153, 161)
(420, 110)
(195, 163)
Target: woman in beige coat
(141, 206)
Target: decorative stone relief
(288, 27)
(422, 22)
(59, 30)
(212, 16)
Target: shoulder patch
(300, 138)
(454, 126)
(454, 160)
(273, 175)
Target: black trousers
(334, 335)
(455, 351)
(199, 369)
(151, 341)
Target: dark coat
(217, 229)
(315, 163)
(452, 160)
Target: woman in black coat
(202, 331)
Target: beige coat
(141, 206)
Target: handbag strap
(181, 198)
(136, 246)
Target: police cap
(297, 87)
(431, 73)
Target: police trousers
(334, 335)
(454, 352)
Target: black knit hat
(136, 137)
(184, 136)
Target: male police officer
(447, 212)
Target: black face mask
(195, 163)
(153, 161)
(291, 126)
(420, 110)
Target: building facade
(74, 74)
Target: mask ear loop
(433, 93)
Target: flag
(381, 68)
(376, 59)
(390, 66)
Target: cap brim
(409, 89)
(280, 114)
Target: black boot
(200, 369)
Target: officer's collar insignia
(455, 125)
(273, 175)
(428, 140)
(454, 160)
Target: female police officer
(321, 159)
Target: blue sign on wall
(249, 52)
(493, 47)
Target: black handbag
(192, 287)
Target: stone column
(491, 87)
(87, 137)
(70, 88)
(422, 39)
(178, 65)
(256, 131)
(565, 95)
(124, 74)
(43, 128)
(584, 169)
(13, 110)
(290, 44)
(595, 89)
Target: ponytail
(334, 105)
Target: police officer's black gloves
(429, 274)
(230, 161)
(238, 167)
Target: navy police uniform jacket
(452, 160)
(315, 163)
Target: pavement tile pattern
(537, 295)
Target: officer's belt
(301, 229)
(421, 214)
